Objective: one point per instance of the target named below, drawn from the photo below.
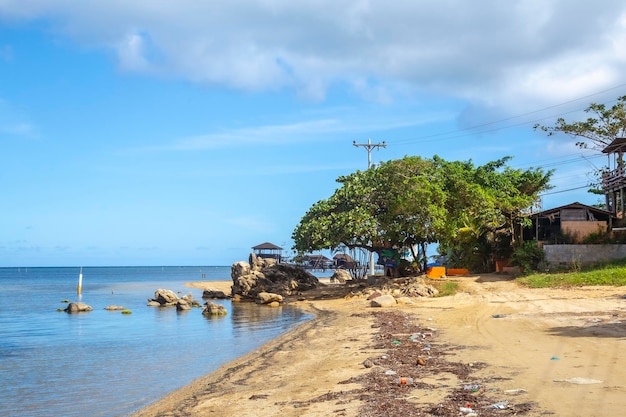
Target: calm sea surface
(104, 363)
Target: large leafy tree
(486, 206)
(395, 205)
(414, 201)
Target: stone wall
(568, 255)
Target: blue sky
(184, 133)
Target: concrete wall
(568, 255)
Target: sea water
(104, 363)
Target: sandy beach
(494, 348)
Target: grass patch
(613, 274)
(445, 288)
(127, 311)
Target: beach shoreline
(536, 351)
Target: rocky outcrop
(114, 308)
(164, 298)
(212, 293)
(213, 309)
(341, 276)
(268, 298)
(73, 308)
(265, 275)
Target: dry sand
(543, 351)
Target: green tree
(486, 207)
(604, 125)
(411, 202)
(397, 205)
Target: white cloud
(492, 53)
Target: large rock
(165, 297)
(386, 300)
(268, 297)
(77, 308)
(213, 309)
(214, 294)
(265, 275)
(341, 276)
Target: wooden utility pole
(369, 146)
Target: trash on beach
(555, 358)
(579, 381)
(498, 316)
(501, 405)
(515, 391)
(404, 381)
(390, 372)
(396, 342)
(471, 387)
(466, 410)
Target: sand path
(557, 349)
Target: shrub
(528, 256)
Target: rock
(73, 308)
(384, 301)
(267, 298)
(239, 269)
(265, 275)
(165, 297)
(183, 305)
(213, 309)
(373, 295)
(341, 276)
(214, 294)
(152, 303)
(113, 308)
(404, 300)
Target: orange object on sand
(436, 272)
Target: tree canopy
(599, 130)
(415, 201)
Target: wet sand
(538, 351)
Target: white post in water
(80, 282)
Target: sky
(152, 132)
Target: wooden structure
(614, 180)
(268, 250)
(318, 262)
(574, 221)
(345, 261)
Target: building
(268, 250)
(570, 223)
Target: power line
(468, 129)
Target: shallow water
(104, 363)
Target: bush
(528, 256)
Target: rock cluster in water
(265, 281)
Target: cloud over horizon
(490, 53)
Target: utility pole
(369, 146)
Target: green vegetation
(127, 311)
(613, 273)
(408, 203)
(528, 256)
(445, 288)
